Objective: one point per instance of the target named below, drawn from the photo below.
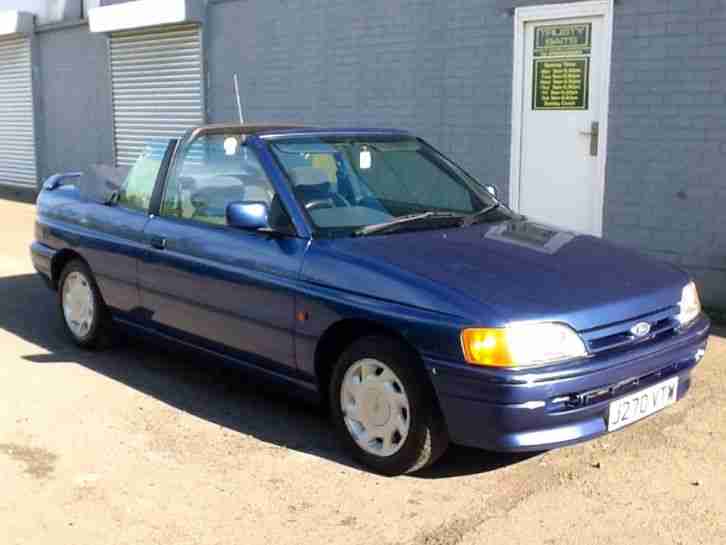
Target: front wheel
(384, 409)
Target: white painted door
(560, 175)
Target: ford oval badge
(640, 330)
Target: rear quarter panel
(108, 238)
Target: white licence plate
(640, 404)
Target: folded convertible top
(101, 183)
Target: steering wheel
(320, 203)
(333, 201)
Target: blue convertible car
(369, 270)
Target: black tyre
(84, 313)
(384, 408)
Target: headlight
(521, 344)
(690, 304)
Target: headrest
(314, 191)
(217, 196)
(309, 176)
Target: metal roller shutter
(17, 132)
(157, 86)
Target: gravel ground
(139, 445)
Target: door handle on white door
(594, 134)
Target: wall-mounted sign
(562, 67)
(556, 40)
(561, 84)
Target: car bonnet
(530, 271)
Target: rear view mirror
(251, 215)
(231, 145)
(365, 160)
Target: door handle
(594, 134)
(158, 242)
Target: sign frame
(583, 47)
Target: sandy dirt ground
(143, 445)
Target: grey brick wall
(74, 103)
(444, 70)
(666, 182)
(441, 69)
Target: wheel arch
(60, 260)
(342, 334)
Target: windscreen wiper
(476, 216)
(404, 220)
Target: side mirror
(251, 215)
(492, 190)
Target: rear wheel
(84, 313)
(384, 409)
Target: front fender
(336, 286)
(432, 334)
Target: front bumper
(540, 409)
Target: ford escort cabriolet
(368, 270)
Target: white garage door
(157, 86)
(17, 134)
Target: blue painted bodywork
(236, 294)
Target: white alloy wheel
(79, 307)
(375, 407)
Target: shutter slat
(157, 86)
(17, 132)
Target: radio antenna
(239, 100)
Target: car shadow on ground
(200, 385)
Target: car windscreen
(346, 183)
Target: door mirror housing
(251, 216)
(492, 190)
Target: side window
(138, 187)
(213, 171)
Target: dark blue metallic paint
(502, 410)
(249, 216)
(585, 281)
(109, 238)
(223, 286)
(236, 294)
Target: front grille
(606, 393)
(618, 336)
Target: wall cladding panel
(157, 86)
(444, 70)
(665, 191)
(17, 130)
(440, 70)
(75, 127)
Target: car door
(214, 286)
(117, 243)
